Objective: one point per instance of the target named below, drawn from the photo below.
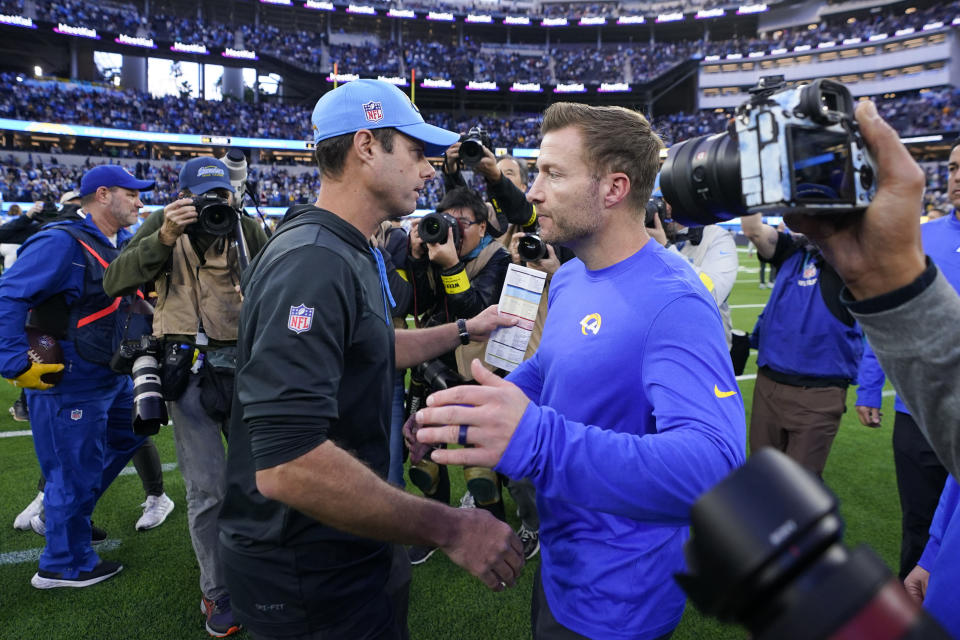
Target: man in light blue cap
(310, 530)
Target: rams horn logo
(590, 323)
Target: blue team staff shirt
(941, 241)
(49, 263)
(799, 335)
(635, 413)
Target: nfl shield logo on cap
(373, 111)
(300, 318)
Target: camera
(47, 212)
(434, 225)
(655, 207)
(140, 358)
(766, 553)
(531, 247)
(215, 216)
(787, 150)
(472, 144)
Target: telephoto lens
(215, 216)
(149, 410)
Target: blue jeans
(395, 473)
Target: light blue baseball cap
(375, 104)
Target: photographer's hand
(451, 158)
(417, 250)
(880, 250)
(869, 416)
(34, 210)
(487, 167)
(444, 255)
(657, 232)
(490, 411)
(177, 216)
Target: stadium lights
(904, 32)
(878, 36)
(936, 138)
(756, 54)
(932, 25)
(801, 48)
(116, 81)
(183, 47)
(777, 52)
(476, 85)
(734, 56)
(670, 17)
(711, 58)
(17, 21)
(852, 40)
(37, 71)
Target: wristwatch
(462, 329)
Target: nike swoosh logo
(722, 394)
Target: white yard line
(32, 555)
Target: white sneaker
(22, 521)
(38, 525)
(155, 511)
(467, 501)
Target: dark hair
(521, 163)
(463, 197)
(331, 154)
(615, 139)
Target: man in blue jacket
(629, 409)
(808, 350)
(81, 426)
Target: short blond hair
(615, 139)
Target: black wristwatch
(462, 329)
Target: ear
(363, 144)
(614, 188)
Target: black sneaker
(97, 535)
(220, 622)
(50, 580)
(530, 540)
(419, 554)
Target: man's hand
(34, 210)
(484, 323)
(177, 216)
(451, 158)
(869, 416)
(916, 583)
(657, 232)
(417, 249)
(31, 378)
(444, 255)
(490, 412)
(880, 250)
(487, 548)
(418, 450)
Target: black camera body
(434, 226)
(656, 206)
(531, 247)
(787, 150)
(472, 144)
(47, 213)
(215, 216)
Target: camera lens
(216, 218)
(531, 247)
(471, 151)
(701, 180)
(149, 410)
(433, 228)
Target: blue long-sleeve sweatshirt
(941, 241)
(635, 412)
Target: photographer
(81, 423)
(506, 181)
(456, 279)
(195, 260)
(808, 350)
(710, 250)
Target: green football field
(157, 595)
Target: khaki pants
(800, 421)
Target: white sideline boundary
(33, 555)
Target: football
(44, 349)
